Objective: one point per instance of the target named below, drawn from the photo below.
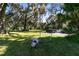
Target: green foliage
(70, 7)
(71, 17)
(68, 30)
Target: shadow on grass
(16, 48)
(73, 38)
(57, 46)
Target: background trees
(71, 16)
(16, 17)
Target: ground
(19, 44)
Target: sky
(24, 5)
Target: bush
(68, 30)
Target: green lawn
(18, 44)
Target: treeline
(14, 17)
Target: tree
(72, 10)
(2, 17)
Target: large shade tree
(72, 11)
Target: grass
(18, 44)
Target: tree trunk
(25, 24)
(78, 28)
(2, 17)
(4, 26)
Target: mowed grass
(19, 44)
